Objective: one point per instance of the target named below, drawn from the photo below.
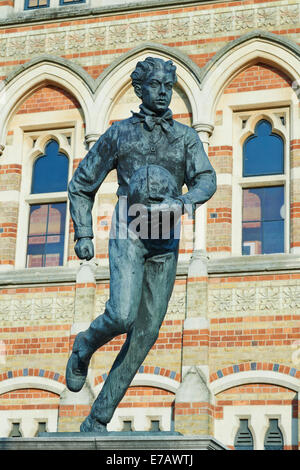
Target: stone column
(90, 140)
(84, 297)
(192, 404)
(193, 410)
(74, 407)
(204, 131)
(295, 196)
(11, 172)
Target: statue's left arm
(200, 177)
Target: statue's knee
(148, 336)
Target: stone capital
(204, 130)
(203, 127)
(90, 139)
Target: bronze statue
(154, 156)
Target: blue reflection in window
(263, 152)
(50, 171)
(263, 222)
(46, 235)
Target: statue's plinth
(113, 441)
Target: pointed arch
(117, 77)
(44, 71)
(236, 56)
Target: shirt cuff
(83, 232)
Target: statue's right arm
(89, 175)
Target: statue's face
(156, 91)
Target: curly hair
(149, 65)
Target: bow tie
(165, 121)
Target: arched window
(273, 437)
(263, 206)
(50, 171)
(263, 152)
(243, 439)
(46, 232)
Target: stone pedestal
(114, 441)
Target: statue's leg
(126, 277)
(158, 281)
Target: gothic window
(50, 171)
(263, 201)
(273, 437)
(243, 439)
(263, 152)
(47, 220)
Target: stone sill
(51, 14)
(254, 264)
(233, 266)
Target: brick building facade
(227, 357)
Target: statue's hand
(84, 248)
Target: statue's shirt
(129, 145)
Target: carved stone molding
(250, 300)
(36, 309)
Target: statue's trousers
(142, 275)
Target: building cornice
(231, 265)
(71, 13)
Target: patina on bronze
(154, 156)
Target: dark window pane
(155, 425)
(243, 439)
(273, 238)
(15, 430)
(50, 171)
(42, 427)
(46, 237)
(263, 152)
(127, 426)
(263, 222)
(273, 437)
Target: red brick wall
(258, 77)
(48, 98)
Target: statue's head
(153, 81)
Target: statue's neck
(149, 112)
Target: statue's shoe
(92, 425)
(77, 369)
